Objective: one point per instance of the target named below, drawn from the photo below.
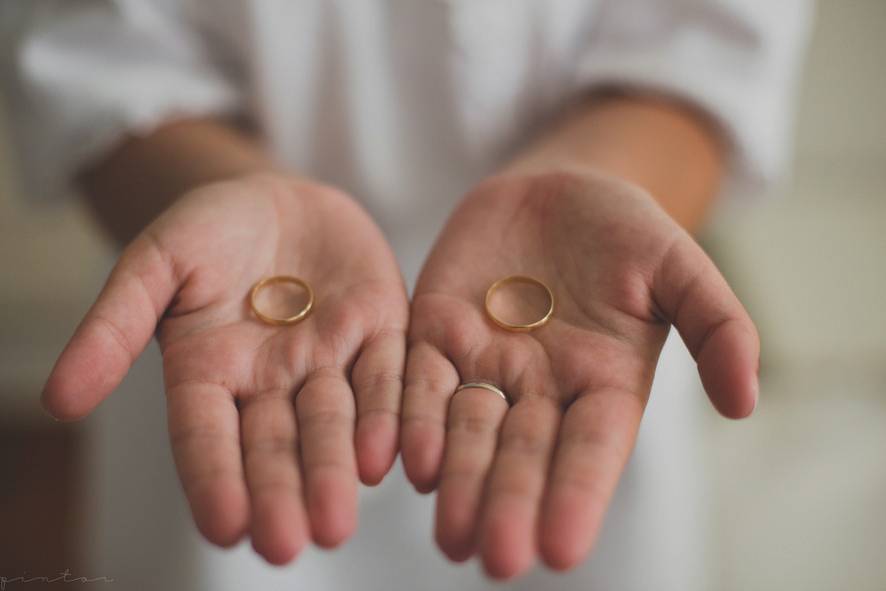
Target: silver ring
(483, 386)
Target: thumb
(717, 330)
(114, 332)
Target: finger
(205, 434)
(713, 324)
(515, 485)
(595, 440)
(325, 410)
(113, 333)
(270, 455)
(430, 381)
(377, 379)
(471, 436)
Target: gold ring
(483, 386)
(519, 327)
(301, 315)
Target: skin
(271, 427)
(535, 479)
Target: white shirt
(405, 103)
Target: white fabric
(405, 103)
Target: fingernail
(756, 393)
(45, 409)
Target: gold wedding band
(514, 326)
(301, 315)
(483, 386)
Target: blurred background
(798, 490)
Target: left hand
(270, 424)
(536, 477)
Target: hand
(262, 418)
(538, 476)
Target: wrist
(155, 170)
(663, 146)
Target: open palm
(270, 425)
(536, 477)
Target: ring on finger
(484, 386)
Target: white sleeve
(736, 60)
(82, 75)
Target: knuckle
(270, 447)
(333, 466)
(472, 425)
(379, 382)
(459, 473)
(186, 437)
(431, 382)
(116, 333)
(583, 482)
(523, 443)
(273, 485)
(420, 421)
(519, 489)
(382, 412)
(197, 480)
(325, 419)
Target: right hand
(270, 426)
(535, 477)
